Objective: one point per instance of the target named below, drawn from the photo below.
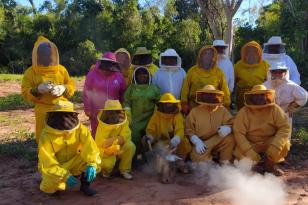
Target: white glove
(45, 87)
(58, 90)
(224, 130)
(200, 145)
(175, 141)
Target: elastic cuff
(92, 165)
(35, 92)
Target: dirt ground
(19, 179)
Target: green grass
(77, 97)
(14, 102)
(18, 77)
(301, 136)
(10, 77)
(21, 145)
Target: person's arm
(122, 88)
(127, 97)
(185, 88)
(125, 133)
(300, 95)
(294, 74)
(240, 131)
(179, 126)
(231, 77)
(28, 90)
(89, 150)
(224, 88)
(227, 117)
(151, 129)
(190, 126)
(283, 128)
(69, 84)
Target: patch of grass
(21, 145)
(77, 97)
(14, 102)
(299, 148)
(10, 77)
(300, 136)
(10, 121)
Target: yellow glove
(253, 155)
(273, 153)
(114, 149)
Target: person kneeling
(166, 127)
(261, 130)
(66, 150)
(208, 127)
(113, 137)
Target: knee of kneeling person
(230, 140)
(129, 145)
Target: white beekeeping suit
(170, 76)
(224, 63)
(289, 95)
(274, 51)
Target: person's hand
(120, 140)
(90, 173)
(58, 90)
(45, 87)
(273, 152)
(199, 144)
(71, 181)
(253, 155)
(224, 130)
(175, 141)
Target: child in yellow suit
(208, 126)
(113, 138)
(167, 126)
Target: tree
(220, 22)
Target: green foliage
(77, 97)
(79, 60)
(13, 102)
(10, 77)
(287, 19)
(301, 136)
(82, 29)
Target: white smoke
(245, 187)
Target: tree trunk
(33, 6)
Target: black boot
(85, 186)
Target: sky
(242, 16)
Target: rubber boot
(85, 186)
